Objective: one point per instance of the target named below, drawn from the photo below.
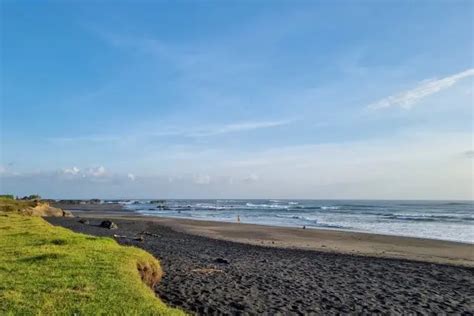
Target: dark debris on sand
(258, 280)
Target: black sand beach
(210, 276)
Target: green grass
(49, 270)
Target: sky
(237, 99)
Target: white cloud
(2, 169)
(202, 179)
(407, 99)
(131, 176)
(96, 172)
(251, 178)
(71, 171)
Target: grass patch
(49, 270)
(14, 206)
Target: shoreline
(321, 240)
(205, 275)
(342, 230)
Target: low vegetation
(8, 204)
(49, 270)
(32, 207)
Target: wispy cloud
(407, 99)
(192, 132)
(236, 127)
(207, 131)
(84, 139)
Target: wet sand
(208, 275)
(419, 249)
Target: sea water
(445, 220)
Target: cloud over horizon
(398, 167)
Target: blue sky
(237, 99)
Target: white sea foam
(330, 207)
(452, 220)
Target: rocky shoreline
(210, 276)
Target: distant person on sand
(238, 219)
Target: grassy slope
(50, 270)
(10, 205)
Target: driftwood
(149, 234)
(139, 238)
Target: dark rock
(108, 224)
(157, 202)
(67, 214)
(84, 221)
(222, 261)
(70, 202)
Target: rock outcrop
(44, 209)
(108, 224)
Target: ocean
(445, 220)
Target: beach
(442, 220)
(212, 267)
(237, 157)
